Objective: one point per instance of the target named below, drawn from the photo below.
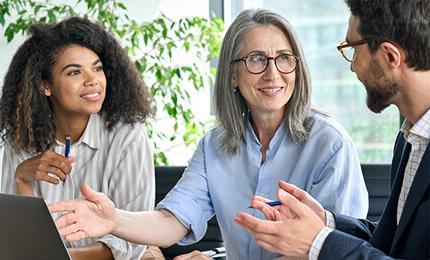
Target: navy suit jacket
(361, 239)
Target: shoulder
(212, 136)
(126, 134)
(7, 150)
(325, 126)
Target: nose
(351, 66)
(271, 72)
(92, 84)
(90, 80)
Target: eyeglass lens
(257, 63)
(348, 53)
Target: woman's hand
(271, 212)
(93, 216)
(281, 212)
(304, 198)
(96, 251)
(39, 168)
(194, 255)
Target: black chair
(165, 178)
(377, 179)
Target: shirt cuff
(318, 242)
(329, 220)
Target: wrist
(23, 187)
(116, 221)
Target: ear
(234, 82)
(392, 54)
(45, 88)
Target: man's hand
(290, 236)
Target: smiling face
(78, 84)
(269, 91)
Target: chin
(93, 111)
(376, 104)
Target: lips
(270, 90)
(92, 97)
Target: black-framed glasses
(258, 63)
(348, 53)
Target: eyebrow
(78, 65)
(263, 52)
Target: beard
(380, 89)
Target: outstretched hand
(93, 216)
(289, 234)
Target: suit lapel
(417, 191)
(384, 233)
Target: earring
(235, 89)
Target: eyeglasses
(347, 51)
(258, 63)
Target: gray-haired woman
(267, 132)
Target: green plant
(154, 46)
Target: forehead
(265, 38)
(352, 33)
(76, 54)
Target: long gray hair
(230, 106)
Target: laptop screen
(27, 230)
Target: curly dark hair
(405, 22)
(26, 120)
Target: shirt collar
(420, 128)
(93, 131)
(276, 140)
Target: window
(321, 25)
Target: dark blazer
(361, 239)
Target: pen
(272, 203)
(66, 153)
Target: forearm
(160, 228)
(96, 251)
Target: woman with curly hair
(72, 79)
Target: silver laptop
(27, 230)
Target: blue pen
(272, 203)
(67, 152)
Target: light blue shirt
(326, 166)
